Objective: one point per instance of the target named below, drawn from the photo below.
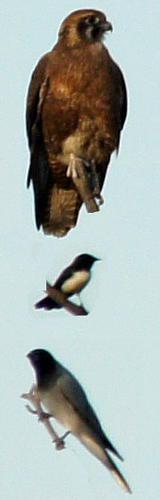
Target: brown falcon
(76, 108)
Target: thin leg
(81, 173)
(33, 397)
(80, 300)
(60, 441)
(42, 415)
(93, 179)
(73, 170)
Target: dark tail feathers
(41, 177)
(48, 304)
(109, 446)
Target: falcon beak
(107, 26)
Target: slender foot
(80, 300)
(42, 415)
(73, 170)
(60, 441)
(84, 176)
(33, 397)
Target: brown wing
(122, 101)
(57, 203)
(120, 92)
(39, 172)
(33, 98)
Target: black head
(43, 363)
(85, 24)
(84, 261)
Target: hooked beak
(107, 26)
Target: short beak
(106, 26)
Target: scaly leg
(72, 170)
(93, 180)
(81, 173)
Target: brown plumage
(76, 108)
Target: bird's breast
(76, 282)
(58, 406)
(80, 110)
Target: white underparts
(76, 283)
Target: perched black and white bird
(64, 399)
(71, 281)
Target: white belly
(76, 283)
(55, 404)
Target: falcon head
(87, 24)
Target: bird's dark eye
(96, 20)
(90, 20)
(87, 20)
(90, 28)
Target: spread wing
(74, 394)
(39, 171)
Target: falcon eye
(96, 20)
(90, 28)
(90, 20)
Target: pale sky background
(114, 352)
